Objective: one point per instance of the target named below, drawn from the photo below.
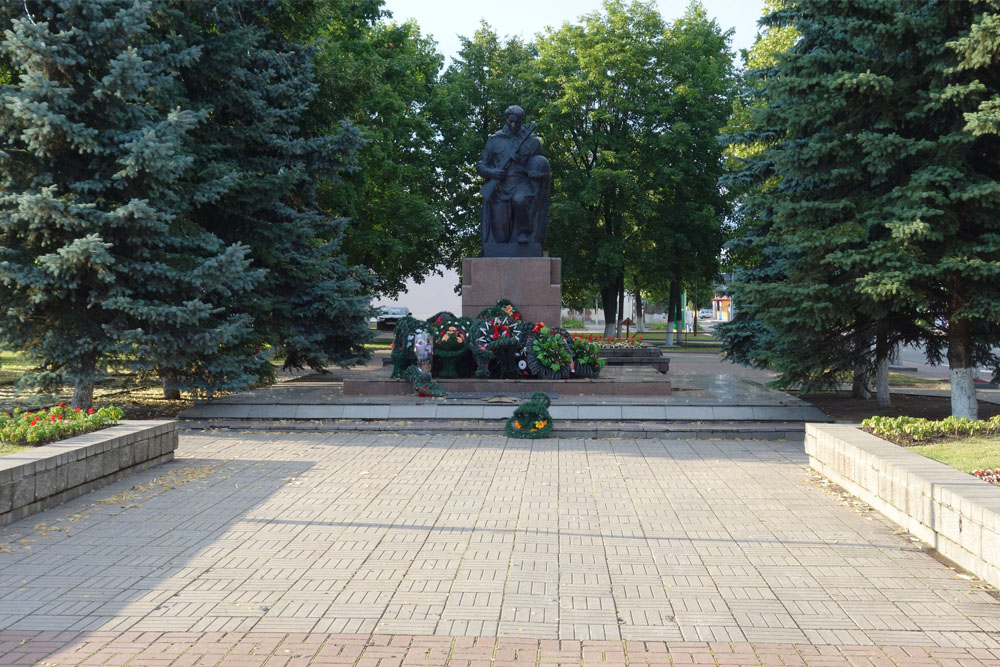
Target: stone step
(562, 429)
(432, 411)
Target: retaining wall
(948, 509)
(36, 479)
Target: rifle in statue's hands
(491, 184)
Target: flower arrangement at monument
(51, 424)
(497, 335)
(403, 354)
(585, 357)
(498, 343)
(451, 344)
(549, 353)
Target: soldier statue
(516, 193)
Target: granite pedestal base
(532, 284)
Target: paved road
(341, 549)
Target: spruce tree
(944, 211)
(877, 227)
(311, 307)
(100, 262)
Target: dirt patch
(842, 407)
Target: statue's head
(515, 118)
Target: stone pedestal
(532, 284)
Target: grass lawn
(899, 378)
(965, 454)
(12, 365)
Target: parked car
(388, 316)
(705, 314)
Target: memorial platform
(612, 382)
(700, 405)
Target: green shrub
(52, 424)
(906, 430)
(573, 323)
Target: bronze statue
(516, 194)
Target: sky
(445, 20)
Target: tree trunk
(83, 394)
(676, 306)
(861, 383)
(882, 353)
(670, 316)
(609, 301)
(640, 318)
(963, 389)
(882, 389)
(621, 305)
(170, 392)
(83, 397)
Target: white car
(705, 314)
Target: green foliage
(101, 260)
(52, 424)
(585, 352)
(311, 305)
(870, 208)
(488, 75)
(572, 323)
(630, 109)
(907, 430)
(380, 76)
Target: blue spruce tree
(102, 259)
(310, 307)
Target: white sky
(445, 20)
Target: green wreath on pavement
(531, 420)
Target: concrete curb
(957, 514)
(37, 479)
(792, 431)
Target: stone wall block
(125, 457)
(76, 474)
(6, 496)
(95, 467)
(109, 463)
(140, 451)
(24, 492)
(45, 484)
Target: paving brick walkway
(312, 548)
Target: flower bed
(912, 430)
(52, 424)
(630, 342)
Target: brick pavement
(354, 549)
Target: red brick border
(177, 649)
